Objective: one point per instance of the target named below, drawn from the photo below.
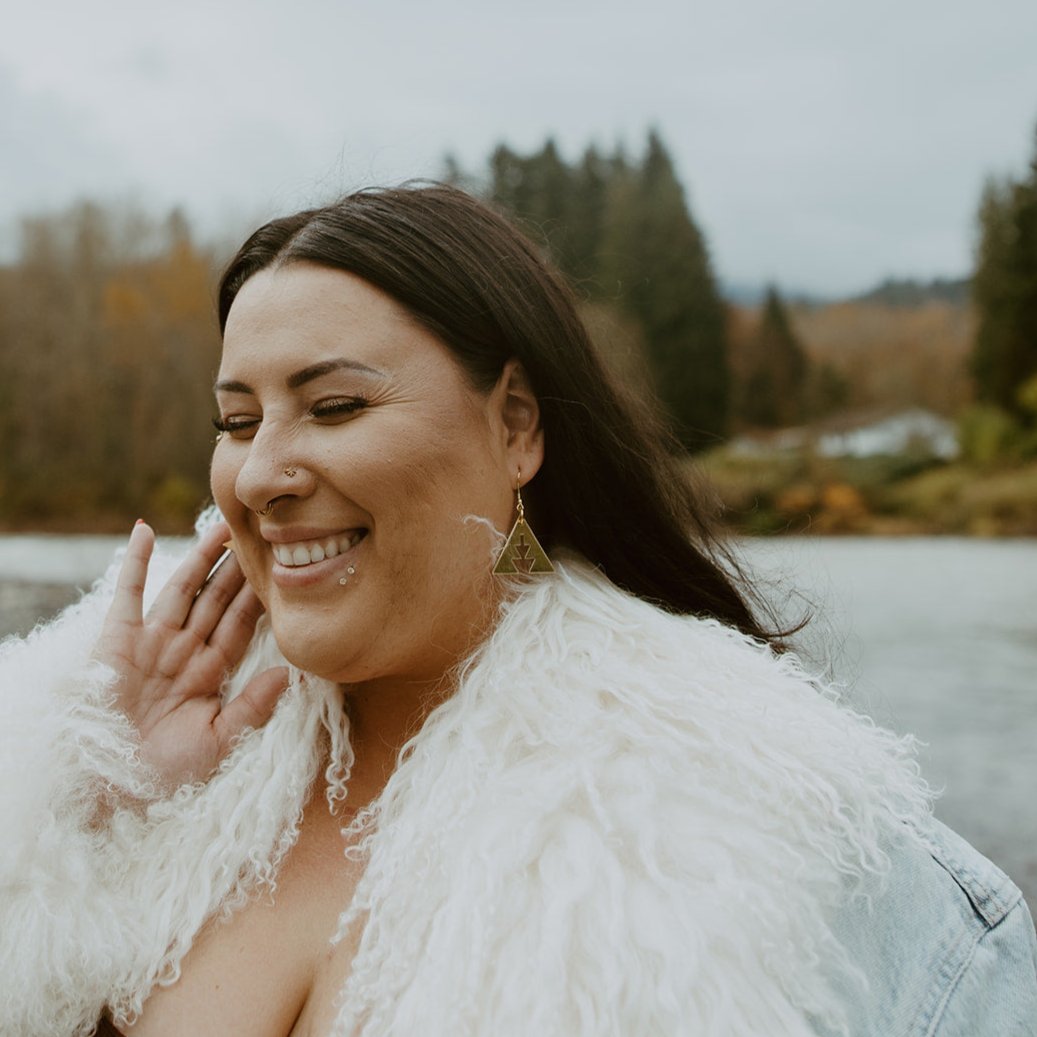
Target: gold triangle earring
(522, 552)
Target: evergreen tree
(560, 206)
(622, 232)
(539, 191)
(586, 212)
(654, 259)
(1005, 292)
(773, 393)
(452, 173)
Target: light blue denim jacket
(948, 951)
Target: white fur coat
(623, 823)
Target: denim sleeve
(996, 991)
(947, 951)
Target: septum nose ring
(290, 472)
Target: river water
(936, 637)
(932, 636)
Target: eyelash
(324, 409)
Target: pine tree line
(622, 231)
(772, 389)
(108, 344)
(620, 228)
(1004, 362)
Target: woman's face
(361, 431)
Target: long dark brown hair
(611, 486)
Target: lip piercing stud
(343, 581)
(290, 472)
(351, 570)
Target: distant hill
(909, 292)
(740, 293)
(894, 291)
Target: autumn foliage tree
(108, 348)
(865, 357)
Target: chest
(270, 970)
(319, 887)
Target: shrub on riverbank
(797, 493)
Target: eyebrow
(307, 374)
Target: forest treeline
(108, 349)
(108, 343)
(622, 231)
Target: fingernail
(139, 522)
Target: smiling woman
(381, 453)
(348, 780)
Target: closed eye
(232, 425)
(338, 407)
(329, 410)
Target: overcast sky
(823, 144)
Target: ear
(519, 412)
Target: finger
(234, 631)
(127, 605)
(176, 598)
(215, 597)
(252, 708)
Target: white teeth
(308, 553)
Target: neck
(385, 712)
(383, 715)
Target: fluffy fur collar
(624, 822)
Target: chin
(310, 646)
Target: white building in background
(914, 431)
(909, 432)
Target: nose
(270, 472)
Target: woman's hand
(171, 663)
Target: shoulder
(687, 801)
(947, 949)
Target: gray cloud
(823, 144)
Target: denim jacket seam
(936, 1019)
(948, 975)
(989, 901)
(991, 894)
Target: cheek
(419, 498)
(222, 477)
(444, 544)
